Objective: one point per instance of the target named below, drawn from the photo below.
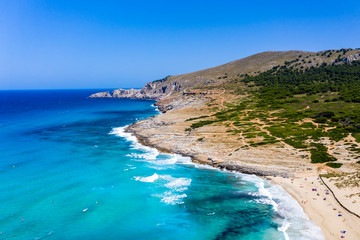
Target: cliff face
(101, 95)
(152, 90)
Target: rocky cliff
(101, 95)
(152, 90)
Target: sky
(61, 44)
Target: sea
(68, 170)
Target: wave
(176, 187)
(151, 153)
(292, 220)
(151, 157)
(151, 178)
(156, 108)
(176, 184)
(172, 198)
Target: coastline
(287, 212)
(323, 213)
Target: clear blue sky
(112, 44)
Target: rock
(213, 161)
(101, 95)
(351, 58)
(153, 90)
(128, 93)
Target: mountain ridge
(217, 76)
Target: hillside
(221, 75)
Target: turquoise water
(68, 171)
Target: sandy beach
(321, 207)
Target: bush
(321, 157)
(320, 120)
(296, 143)
(202, 123)
(319, 147)
(334, 165)
(191, 119)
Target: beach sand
(324, 213)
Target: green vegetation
(162, 80)
(192, 119)
(334, 165)
(329, 94)
(202, 123)
(283, 82)
(295, 104)
(320, 156)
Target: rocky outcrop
(153, 90)
(127, 93)
(101, 95)
(353, 57)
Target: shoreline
(271, 193)
(320, 212)
(320, 206)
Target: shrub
(191, 119)
(296, 143)
(321, 156)
(202, 123)
(320, 120)
(334, 165)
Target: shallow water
(68, 171)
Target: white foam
(150, 153)
(266, 196)
(283, 229)
(151, 157)
(176, 188)
(120, 132)
(203, 166)
(151, 178)
(179, 184)
(172, 198)
(156, 108)
(293, 222)
(160, 168)
(183, 160)
(175, 159)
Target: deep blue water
(68, 171)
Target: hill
(221, 75)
